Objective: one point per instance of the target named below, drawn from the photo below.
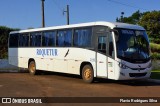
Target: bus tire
(32, 68)
(87, 74)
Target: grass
(155, 50)
(155, 74)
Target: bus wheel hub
(32, 67)
(87, 74)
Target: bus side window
(35, 39)
(48, 38)
(20, 40)
(82, 37)
(64, 38)
(102, 44)
(68, 38)
(23, 40)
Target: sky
(25, 14)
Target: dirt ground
(64, 85)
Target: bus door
(105, 55)
(101, 55)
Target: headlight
(123, 66)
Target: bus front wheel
(87, 74)
(32, 68)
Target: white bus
(109, 50)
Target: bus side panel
(48, 64)
(13, 56)
(43, 60)
(76, 56)
(74, 66)
(30, 53)
(101, 65)
(60, 64)
(23, 57)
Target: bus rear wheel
(32, 68)
(87, 74)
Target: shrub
(155, 47)
(155, 56)
(154, 40)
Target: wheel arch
(31, 59)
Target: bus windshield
(132, 45)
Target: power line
(128, 5)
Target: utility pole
(43, 20)
(67, 11)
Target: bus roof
(103, 23)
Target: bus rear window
(13, 40)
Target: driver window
(130, 42)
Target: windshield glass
(132, 45)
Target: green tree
(133, 19)
(4, 33)
(151, 22)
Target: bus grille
(138, 69)
(137, 74)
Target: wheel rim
(87, 74)
(32, 67)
